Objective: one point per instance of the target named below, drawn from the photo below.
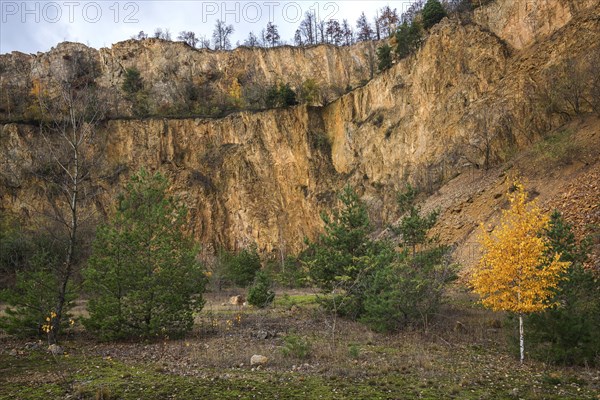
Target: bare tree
(308, 28)
(160, 34)
(68, 160)
(188, 37)
(221, 35)
(334, 32)
(298, 41)
(140, 36)
(563, 87)
(377, 26)
(321, 28)
(263, 38)
(347, 33)
(490, 128)
(272, 34)
(372, 59)
(363, 28)
(203, 42)
(252, 40)
(412, 11)
(593, 69)
(388, 20)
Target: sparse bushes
(593, 67)
(572, 87)
(288, 272)
(296, 347)
(133, 82)
(310, 92)
(281, 95)
(32, 298)
(558, 147)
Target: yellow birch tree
(515, 272)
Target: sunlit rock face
(264, 177)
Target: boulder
(237, 300)
(33, 346)
(55, 349)
(258, 360)
(264, 334)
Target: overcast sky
(32, 26)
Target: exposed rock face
(167, 68)
(520, 23)
(264, 177)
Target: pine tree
(345, 239)
(516, 273)
(409, 289)
(344, 257)
(413, 227)
(334, 32)
(133, 82)
(433, 12)
(568, 332)
(241, 268)
(143, 277)
(260, 294)
(407, 38)
(347, 33)
(384, 57)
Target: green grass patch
(300, 300)
(38, 376)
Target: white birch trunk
(521, 338)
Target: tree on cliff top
(433, 12)
(221, 35)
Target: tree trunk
(68, 271)
(521, 338)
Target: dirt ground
(464, 353)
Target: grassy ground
(463, 355)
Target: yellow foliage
(515, 272)
(235, 90)
(36, 88)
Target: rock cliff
(462, 101)
(170, 69)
